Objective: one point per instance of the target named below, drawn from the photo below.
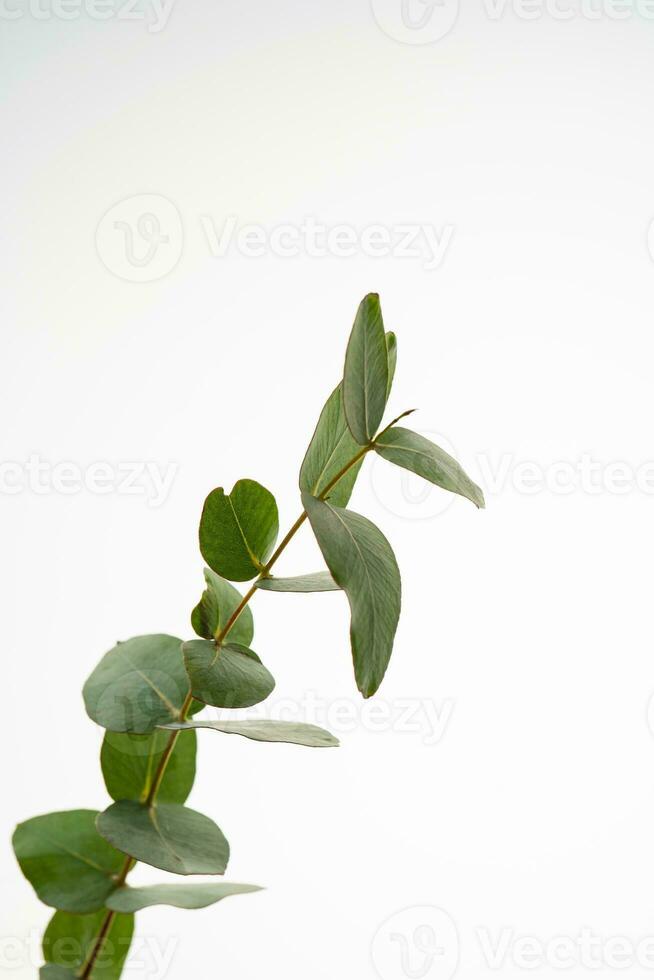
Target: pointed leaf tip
(413, 452)
(366, 372)
(363, 564)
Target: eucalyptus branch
(146, 691)
(170, 746)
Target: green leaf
(330, 450)
(138, 685)
(230, 676)
(414, 452)
(69, 939)
(219, 600)
(316, 582)
(391, 353)
(365, 378)
(65, 860)
(294, 733)
(238, 530)
(53, 972)
(363, 564)
(129, 763)
(186, 896)
(167, 836)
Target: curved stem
(170, 745)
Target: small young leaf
(365, 378)
(219, 600)
(229, 676)
(167, 836)
(316, 582)
(138, 685)
(66, 861)
(330, 450)
(391, 352)
(413, 452)
(69, 939)
(129, 763)
(362, 562)
(238, 530)
(293, 733)
(185, 896)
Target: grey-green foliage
(192, 896)
(129, 763)
(70, 866)
(219, 601)
(167, 836)
(145, 691)
(264, 730)
(69, 939)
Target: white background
(529, 624)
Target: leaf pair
(354, 409)
(357, 554)
(144, 682)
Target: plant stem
(170, 745)
(96, 949)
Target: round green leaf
(362, 562)
(66, 861)
(138, 685)
(315, 582)
(295, 733)
(365, 377)
(69, 939)
(238, 530)
(230, 676)
(186, 896)
(167, 836)
(219, 600)
(129, 763)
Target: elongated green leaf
(129, 763)
(219, 600)
(330, 450)
(185, 896)
(238, 530)
(294, 733)
(413, 452)
(391, 352)
(69, 939)
(167, 836)
(138, 685)
(363, 564)
(231, 676)
(316, 582)
(365, 378)
(65, 860)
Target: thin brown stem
(107, 923)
